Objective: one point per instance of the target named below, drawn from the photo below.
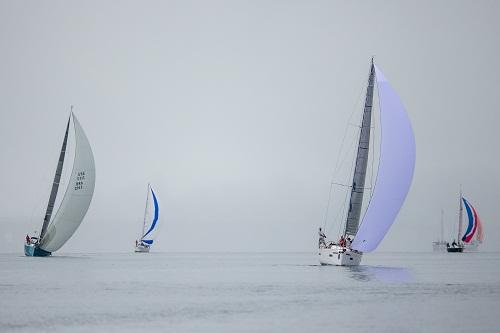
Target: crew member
(322, 238)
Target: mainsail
(395, 169)
(77, 196)
(55, 183)
(150, 218)
(358, 182)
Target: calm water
(391, 292)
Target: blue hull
(31, 250)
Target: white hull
(142, 249)
(339, 256)
(439, 246)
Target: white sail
(77, 196)
(150, 218)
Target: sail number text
(80, 177)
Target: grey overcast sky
(235, 112)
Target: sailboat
(473, 236)
(440, 244)
(396, 163)
(76, 198)
(148, 230)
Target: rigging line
(340, 159)
(347, 196)
(358, 126)
(45, 176)
(342, 213)
(348, 152)
(354, 110)
(327, 206)
(343, 216)
(350, 186)
(347, 149)
(355, 140)
(344, 185)
(338, 216)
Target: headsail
(77, 196)
(395, 170)
(474, 223)
(479, 233)
(150, 220)
(358, 181)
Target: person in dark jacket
(322, 238)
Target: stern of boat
(29, 250)
(339, 256)
(142, 249)
(32, 250)
(455, 249)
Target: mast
(442, 226)
(145, 213)
(460, 216)
(358, 182)
(55, 183)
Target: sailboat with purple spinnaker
(396, 163)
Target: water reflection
(380, 274)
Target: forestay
(77, 196)
(395, 170)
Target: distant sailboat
(440, 245)
(395, 173)
(76, 198)
(473, 236)
(151, 212)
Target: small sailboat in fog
(396, 163)
(148, 230)
(440, 244)
(76, 198)
(473, 235)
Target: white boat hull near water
(339, 256)
(439, 246)
(142, 249)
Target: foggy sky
(235, 111)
